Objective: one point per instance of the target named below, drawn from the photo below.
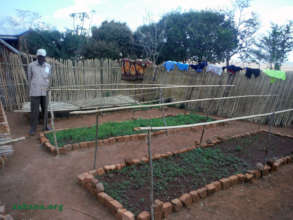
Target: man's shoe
(47, 129)
(32, 133)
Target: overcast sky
(134, 12)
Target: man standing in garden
(39, 73)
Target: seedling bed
(184, 172)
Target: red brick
(102, 197)
(248, 177)
(100, 171)
(177, 205)
(145, 159)
(120, 213)
(81, 177)
(156, 156)
(68, 147)
(107, 201)
(275, 165)
(233, 179)
(167, 209)
(93, 172)
(195, 196)
(120, 166)
(266, 170)
(83, 145)
(289, 159)
(211, 188)
(136, 161)
(241, 178)
(128, 216)
(144, 216)
(158, 209)
(225, 183)
(217, 184)
(203, 192)
(108, 168)
(88, 178)
(75, 146)
(255, 173)
(43, 140)
(114, 205)
(62, 150)
(186, 199)
(123, 214)
(111, 140)
(91, 144)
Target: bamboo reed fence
(104, 76)
(227, 107)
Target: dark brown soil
(260, 147)
(189, 171)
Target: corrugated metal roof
(3, 42)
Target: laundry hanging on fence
(169, 65)
(133, 69)
(182, 66)
(199, 67)
(251, 71)
(214, 69)
(275, 74)
(232, 69)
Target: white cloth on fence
(214, 69)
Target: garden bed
(110, 132)
(188, 175)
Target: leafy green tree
(114, 33)
(274, 47)
(60, 45)
(179, 36)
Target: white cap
(41, 52)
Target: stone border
(163, 209)
(89, 144)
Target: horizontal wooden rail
(141, 88)
(165, 104)
(212, 122)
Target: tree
(114, 33)
(60, 45)
(246, 25)
(275, 46)
(179, 36)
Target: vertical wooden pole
(202, 134)
(46, 112)
(151, 175)
(162, 110)
(97, 140)
(52, 122)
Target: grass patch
(112, 129)
(173, 176)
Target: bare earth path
(33, 176)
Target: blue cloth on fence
(182, 66)
(232, 69)
(169, 65)
(199, 67)
(251, 71)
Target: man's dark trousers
(36, 101)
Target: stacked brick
(88, 144)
